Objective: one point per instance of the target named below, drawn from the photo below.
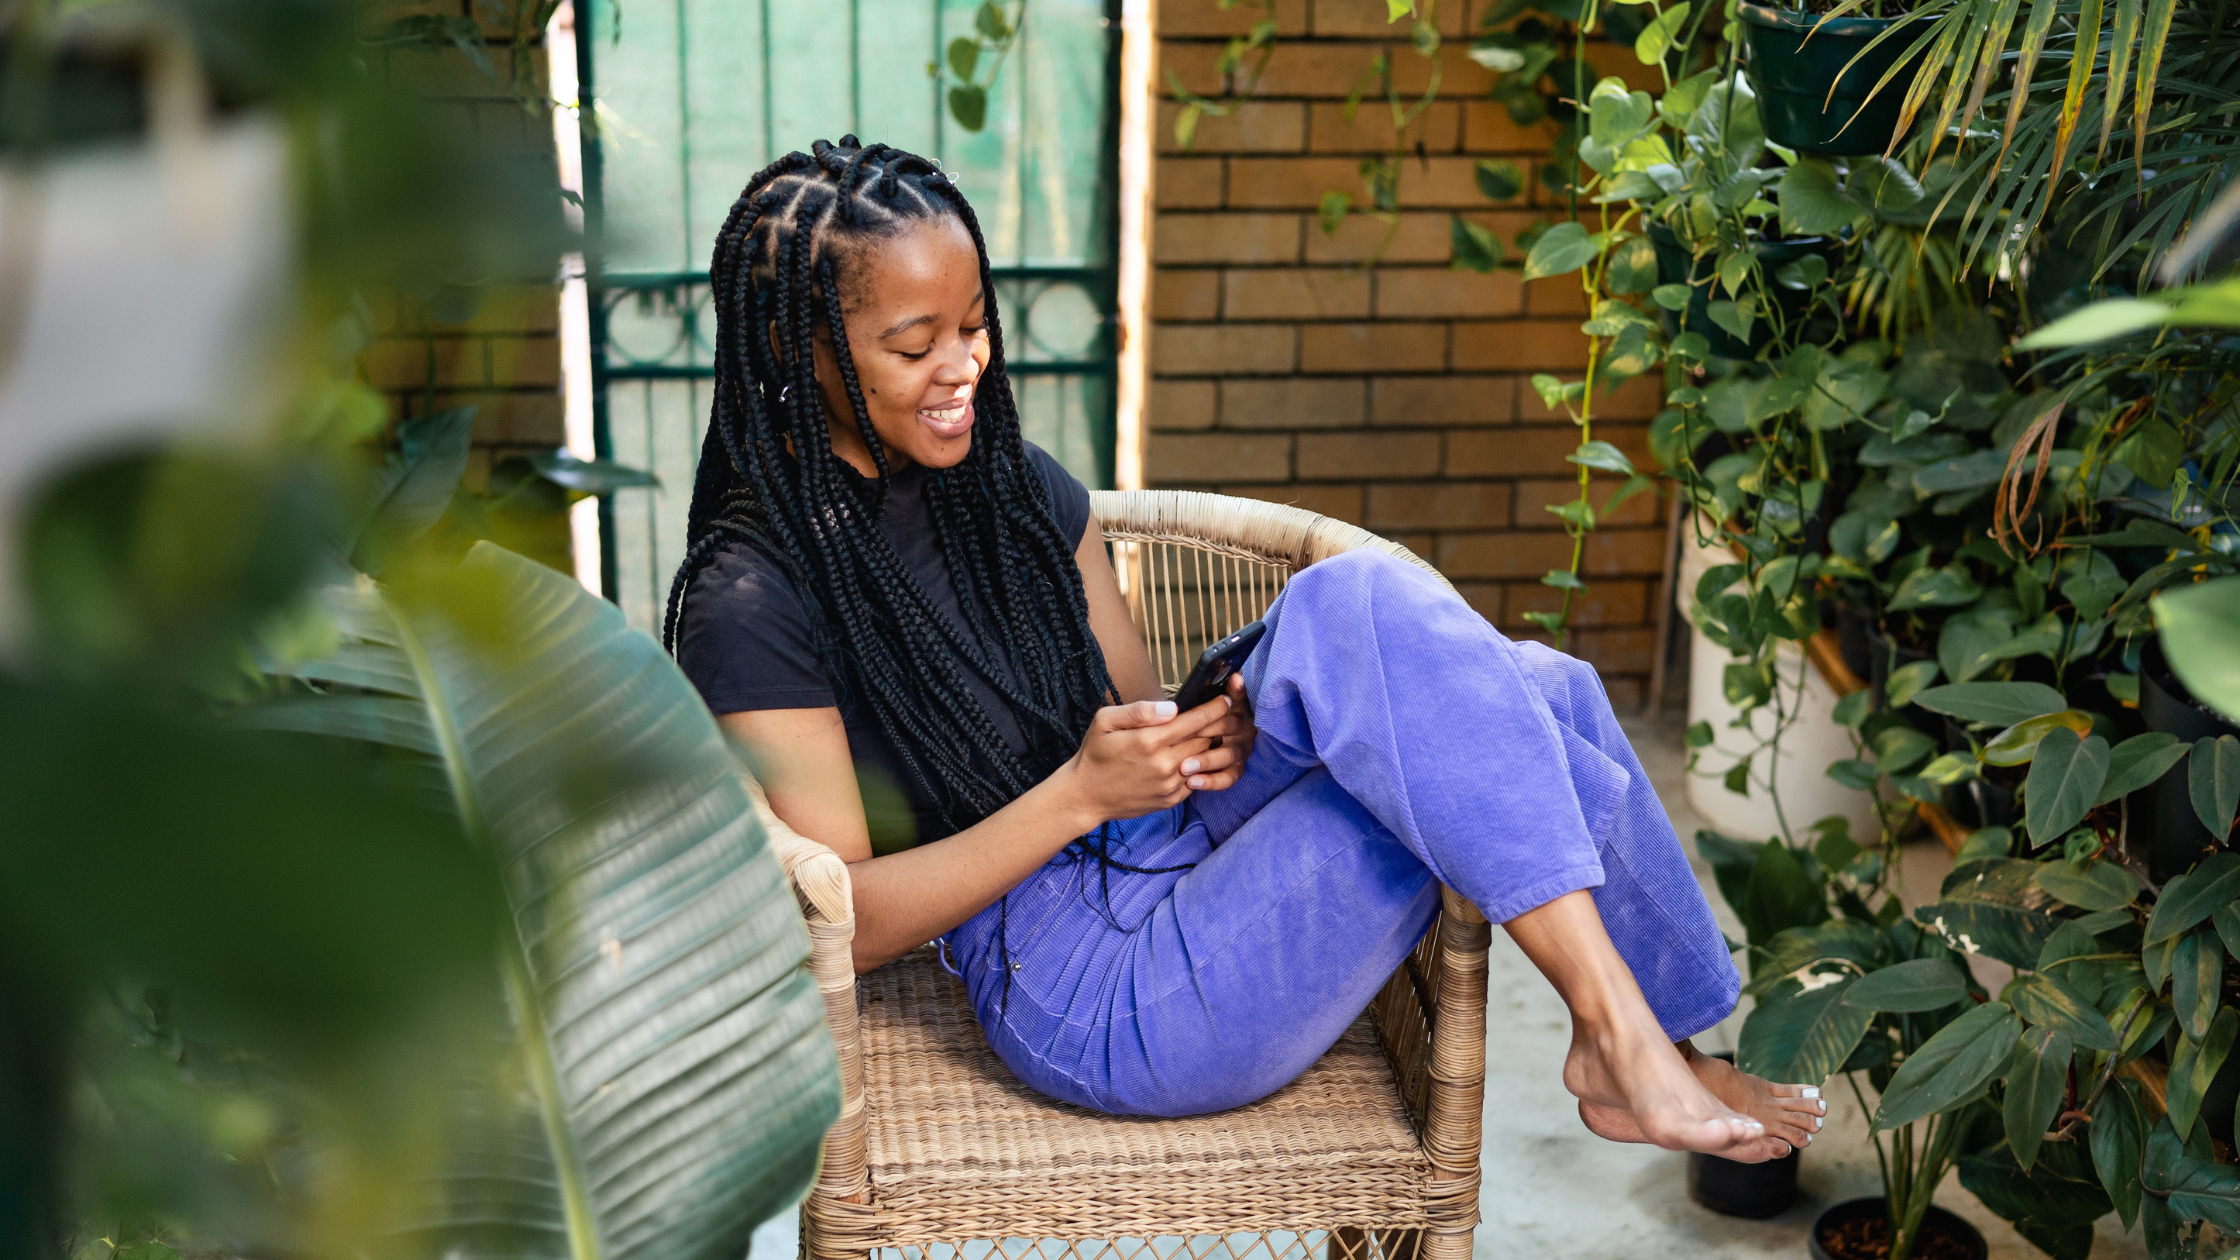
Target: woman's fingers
(1209, 761)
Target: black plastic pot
(1980, 802)
(1937, 1220)
(2163, 824)
(1881, 662)
(1756, 1191)
(1792, 72)
(1853, 626)
(1675, 265)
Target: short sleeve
(744, 638)
(1069, 499)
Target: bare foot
(1633, 1085)
(1791, 1114)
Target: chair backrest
(1196, 566)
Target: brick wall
(1394, 398)
(505, 357)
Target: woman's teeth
(947, 421)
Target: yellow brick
(420, 362)
(1187, 18)
(1369, 131)
(1419, 238)
(1291, 402)
(1535, 450)
(1181, 405)
(1426, 291)
(1196, 65)
(1372, 347)
(1521, 345)
(1225, 238)
(1439, 505)
(1442, 400)
(1209, 458)
(1556, 296)
(1188, 183)
(1487, 128)
(511, 419)
(1178, 293)
(1291, 182)
(1254, 127)
(1369, 18)
(525, 361)
(1353, 456)
(1295, 293)
(1223, 349)
(1534, 497)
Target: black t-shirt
(745, 641)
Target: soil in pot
(1859, 1229)
(1755, 1191)
(1676, 265)
(1791, 74)
(2173, 838)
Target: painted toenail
(1816, 1124)
(1812, 1091)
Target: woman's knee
(1367, 577)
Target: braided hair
(768, 477)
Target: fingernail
(1812, 1091)
(1197, 783)
(1191, 766)
(1163, 709)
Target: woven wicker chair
(940, 1154)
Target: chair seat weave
(963, 1150)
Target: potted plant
(1832, 84)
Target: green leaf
(964, 56)
(2190, 897)
(1475, 248)
(1803, 274)
(1802, 1036)
(2214, 782)
(1900, 748)
(1734, 317)
(1499, 180)
(1632, 267)
(1698, 735)
(561, 467)
(1947, 587)
(2100, 886)
(2227, 923)
(1780, 895)
(1812, 203)
(1985, 842)
(2065, 779)
(990, 21)
(1563, 579)
(1733, 270)
(651, 915)
(1601, 455)
(1992, 703)
(2119, 1141)
(1857, 775)
(2112, 317)
(2019, 743)
(2198, 625)
(413, 490)
(2036, 1081)
(1672, 297)
(2053, 1204)
(1994, 908)
(1566, 247)
(1853, 709)
(2049, 1003)
(1951, 1067)
(1656, 38)
(2196, 969)
(1907, 681)
(2138, 761)
(968, 104)
(2194, 1065)
(1920, 984)
(2181, 1179)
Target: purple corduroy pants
(1403, 743)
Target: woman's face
(917, 329)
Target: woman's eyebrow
(907, 325)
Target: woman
(907, 615)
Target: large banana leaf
(671, 1043)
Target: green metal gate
(694, 96)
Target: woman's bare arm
(1130, 764)
(1124, 653)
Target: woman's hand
(1132, 758)
(1229, 744)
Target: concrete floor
(1553, 1189)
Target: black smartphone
(1211, 676)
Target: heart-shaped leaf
(1900, 748)
(1992, 703)
(1947, 587)
(1951, 1067)
(1566, 247)
(1603, 456)
(1920, 984)
(2065, 778)
(2019, 743)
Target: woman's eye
(915, 356)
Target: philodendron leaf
(2019, 743)
(2190, 1185)
(1802, 1031)
(2214, 783)
(2048, 1003)
(2139, 761)
(2194, 895)
(1900, 748)
(1992, 703)
(684, 1075)
(2119, 1139)
(2036, 1081)
(2198, 626)
(1920, 984)
(1995, 908)
(2102, 885)
(1951, 1067)
(2194, 1065)
(2196, 973)
(2065, 779)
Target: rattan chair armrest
(820, 883)
(1454, 1120)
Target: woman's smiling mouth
(952, 420)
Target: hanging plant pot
(1677, 265)
(1754, 1191)
(1791, 74)
(1859, 1229)
(2163, 810)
